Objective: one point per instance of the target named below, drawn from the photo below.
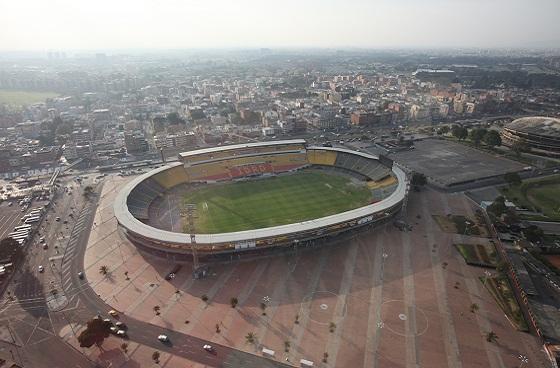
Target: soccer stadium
(246, 198)
(540, 134)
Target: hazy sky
(170, 24)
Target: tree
(156, 309)
(124, 347)
(474, 307)
(204, 297)
(263, 308)
(233, 302)
(418, 180)
(498, 207)
(476, 135)
(533, 233)
(286, 346)
(126, 275)
(155, 356)
(88, 191)
(443, 130)
(96, 332)
(491, 336)
(325, 357)
(520, 146)
(218, 328)
(492, 139)
(10, 250)
(512, 178)
(250, 337)
(332, 326)
(104, 270)
(459, 132)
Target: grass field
(540, 194)
(274, 201)
(20, 98)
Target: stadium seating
(372, 169)
(226, 169)
(142, 195)
(172, 177)
(319, 157)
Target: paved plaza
(447, 163)
(383, 298)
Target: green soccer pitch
(285, 199)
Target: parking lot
(446, 163)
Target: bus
(22, 231)
(19, 237)
(25, 226)
(32, 219)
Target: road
(79, 302)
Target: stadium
(540, 134)
(249, 198)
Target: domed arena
(540, 134)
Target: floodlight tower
(191, 216)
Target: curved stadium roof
(537, 125)
(127, 220)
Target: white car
(41, 268)
(163, 338)
(113, 329)
(207, 347)
(121, 333)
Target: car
(41, 268)
(57, 219)
(121, 333)
(120, 325)
(163, 338)
(81, 275)
(113, 313)
(45, 246)
(208, 347)
(113, 329)
(107, 320)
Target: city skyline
(145, 24)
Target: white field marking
(205, 206)
(328, 185)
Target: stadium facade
(238, 162)
(540, 134)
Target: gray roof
(239, 146)
(538, 125)
(127, 220)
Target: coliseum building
(135, 203)
(541, 134)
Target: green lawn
(20, 98)
(274, 201)
(540, 194)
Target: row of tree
(477, 135)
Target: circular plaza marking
(397, 317)
(316, 307)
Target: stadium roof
(537, 125)
(239, 146)
(127, 220)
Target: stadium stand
(372, 169)
(320, 157)
(172, 177)
(143, 194)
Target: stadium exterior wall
(178, 245)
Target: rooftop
(538, 125)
